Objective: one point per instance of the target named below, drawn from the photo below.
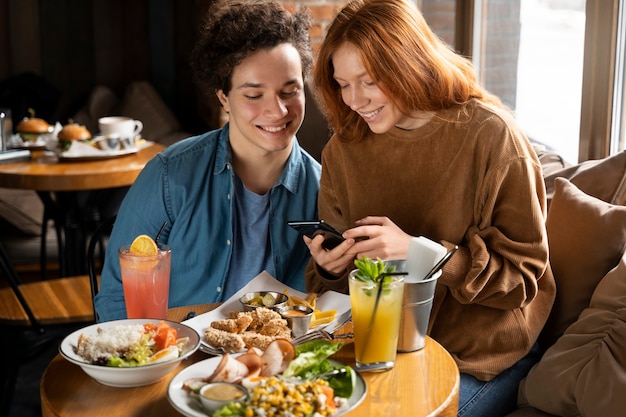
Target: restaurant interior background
(558, 63)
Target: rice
(97, 348)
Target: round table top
(422, 383)
(45, 172)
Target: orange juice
(146, 282)
(376, 337)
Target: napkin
(422, 257)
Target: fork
(320, 335)
(327, 332)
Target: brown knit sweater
(468, 177)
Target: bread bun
(32, 125)
(74, 131)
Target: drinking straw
(380, 280)
(158, 235)
(441, 263)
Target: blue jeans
(498, 397)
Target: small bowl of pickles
(268, 299)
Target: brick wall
(498, 67)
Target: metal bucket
(416, 306)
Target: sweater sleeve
(506, 250)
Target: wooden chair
(35, 314)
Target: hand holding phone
(312, 228)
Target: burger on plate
(71, 132)
(30, 128)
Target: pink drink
(146, 281)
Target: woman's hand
(383, 239)
(334, 261)
(373, 236)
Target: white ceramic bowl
(212, 403)
(129, 377)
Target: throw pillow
(603, 178)
(142, 102)
(102, 102)
(587, 236)
(584, 372)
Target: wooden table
(66, 189)
(423, 383)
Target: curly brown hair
(238, 29)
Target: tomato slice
(165, 336)
(149, 328)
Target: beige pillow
(604, 178)
(587, 237)
(584, 372)
(102, 102)
(142, 102)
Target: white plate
(330, 300)
(63, 156)
(190, 406)
(31, 146)
(85, 152)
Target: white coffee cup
(125, 127)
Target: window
(560, 64)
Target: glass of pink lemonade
(146, 282)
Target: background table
(66, 189)
(423, 383)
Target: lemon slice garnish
(144, 245)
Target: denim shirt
(189, 185)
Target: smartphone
(312, 228)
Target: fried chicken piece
(243, 322)
(230, 342)
(237, 322)
(275, 328)
(261, 316)
(235, 314)
(254, 339)
(227, 325)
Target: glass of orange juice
(146, 282)
(376, 324)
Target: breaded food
(275, 328)
(241, 330)
(230, 342)
(227, 325)
(254, 339)
(243, 322)
(261, 316)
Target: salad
(309, 385)
(131, 345)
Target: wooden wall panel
(75, 45)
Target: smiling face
(266, 102)
(362, 94)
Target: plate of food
(304, 375)
(130, 352)
(229, 328)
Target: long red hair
(408, 62)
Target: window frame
(602, 105)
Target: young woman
(226, 195)
(421, 149)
